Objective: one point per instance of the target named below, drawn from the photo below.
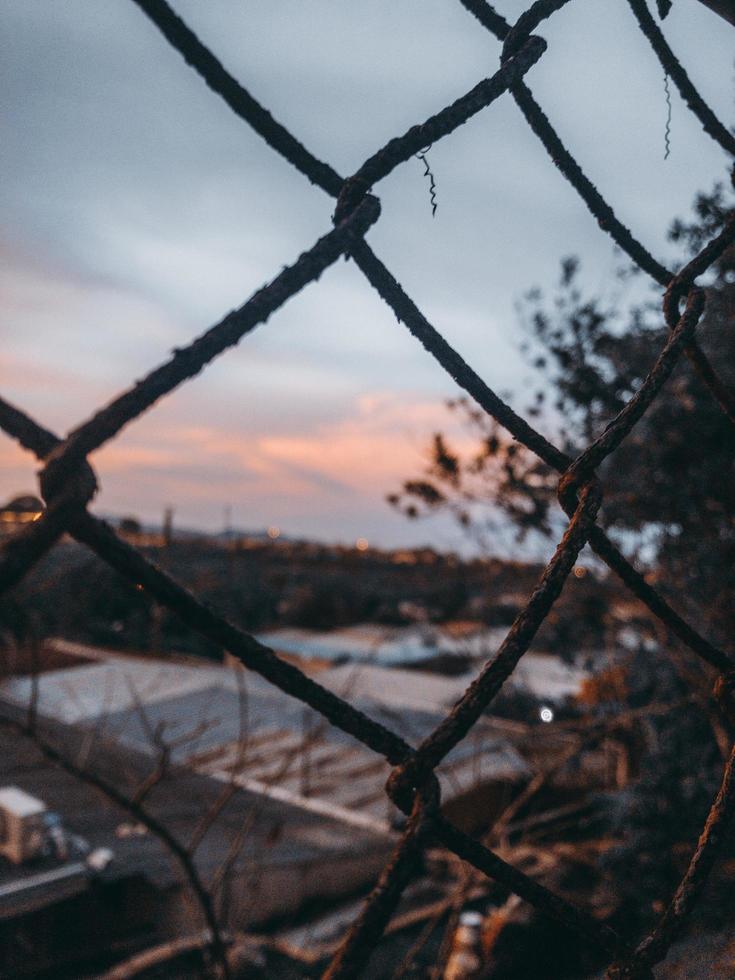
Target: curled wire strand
(421, 155)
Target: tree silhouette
(669, 490)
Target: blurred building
(291, 813)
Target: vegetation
(669, 496)
(669, 492)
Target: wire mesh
(68, 482)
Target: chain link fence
(68, 482)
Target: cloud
(330, 482)
(138, 210)
(368, 452)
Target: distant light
(362, 544)
(99, 859)
(546, 714)
(579, 571)
(274, 532)
(471, 919)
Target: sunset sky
(138, 210)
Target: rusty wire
(68, 482)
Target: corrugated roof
(203, 711)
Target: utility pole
(168, 527)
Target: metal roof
(232, 725)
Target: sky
(137, 210)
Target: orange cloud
(368, 452)
(343, 467)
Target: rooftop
(231, 725)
